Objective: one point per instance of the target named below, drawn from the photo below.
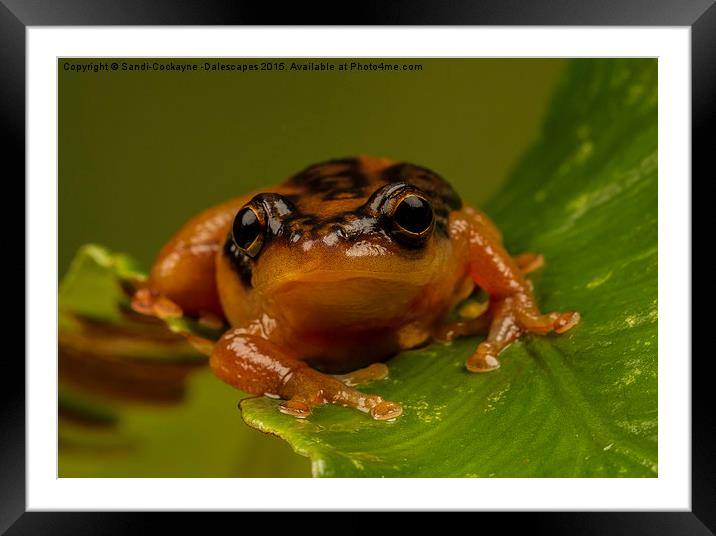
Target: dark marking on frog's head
(338, 203)
(333, 180)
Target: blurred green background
(142, 151)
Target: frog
(322, 278)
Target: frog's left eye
(247, 231)
(413, 215)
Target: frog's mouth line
(332, 277)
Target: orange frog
(343, 265)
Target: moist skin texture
(341, 266)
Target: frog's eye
(247, 231)
(413, 216)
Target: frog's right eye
(247, 232)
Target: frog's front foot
(512, 317)
(259, 366)
(306, 388)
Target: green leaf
(135, 400)
(580, 404)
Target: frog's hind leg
(261, 367)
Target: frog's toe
(296, 408)
(374, 405)
(461, 328)
(529, 262)
(149, 303)
(386, 410)
(374, 372)
(484, 359)
(566, 321)
(529, 319)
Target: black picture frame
(16, 15)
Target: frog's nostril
(331, 234)
(338, 230)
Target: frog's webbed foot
(259, 366)
(513, 317)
